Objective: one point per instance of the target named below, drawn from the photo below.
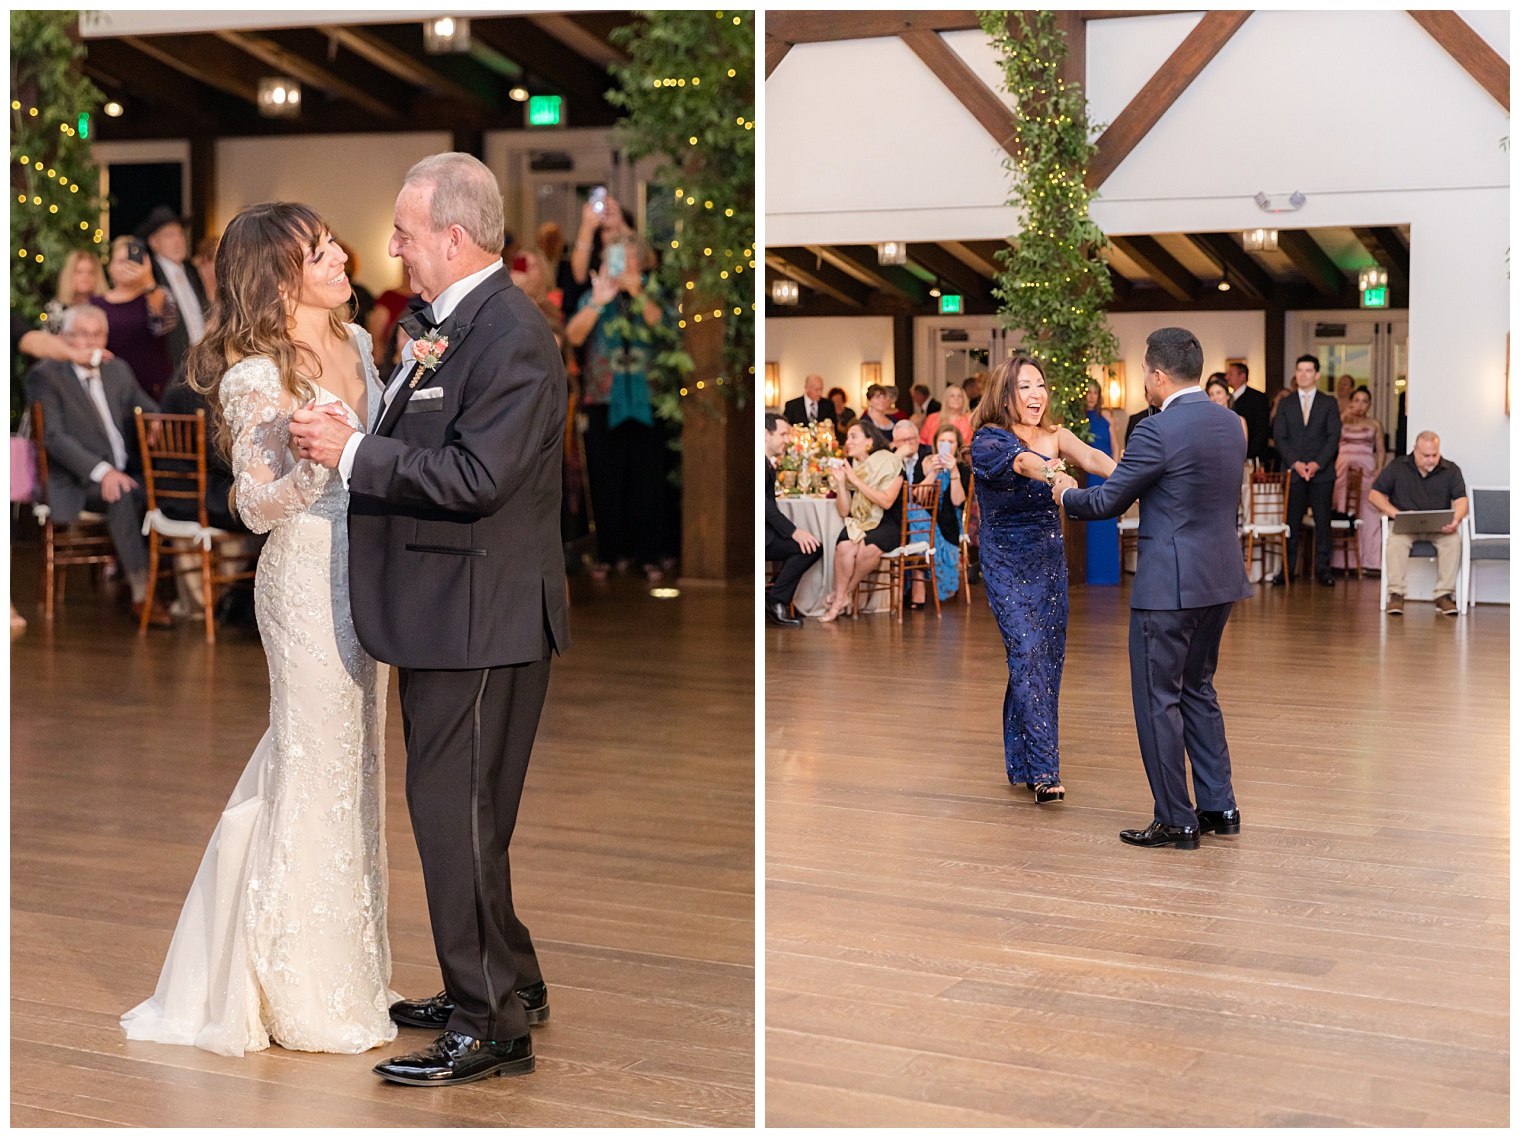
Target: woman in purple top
(140, 314)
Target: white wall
(831, 346)
(350, 179)
(1224, 335)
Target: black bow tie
(418, 324)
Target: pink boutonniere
(428, 350)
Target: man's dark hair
(1307, 359)
(1240, 365)
(1175, 351)
(771, 420)
(921, 387)
(873, 434)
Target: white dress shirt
(443, 307)
(189, 304)
(89, 378)
(1165, 403)
(812, 409)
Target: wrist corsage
(1054, 468)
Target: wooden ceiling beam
(966, 255)
(960, 278)
(581, 40)
(890, 279)
(824, 27)
(544, 55)
(951, 70)
(1121, 283)
(374, 50)
(824, 278)
(1165, 87)
(1469, 49)
(308, 73)
(148, 79)
(1387, 247)
(205, 59)
(1160, 266)
(775, 52)
(1308, 258)
(1238, 267)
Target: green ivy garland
(688, 90)
(1054, 286)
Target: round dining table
(820, 517)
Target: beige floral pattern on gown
(283, 936)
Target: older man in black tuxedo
(457, 578)
(1307, 434)
(1252, 406)
(810, 407)
(1183, 465)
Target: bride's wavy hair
(262, 251)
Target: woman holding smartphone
(139, 314)
(953, 477)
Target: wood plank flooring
(633, 865)
(940, 951)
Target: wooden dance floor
(940, 951)
(633, 864)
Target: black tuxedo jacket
(798, 407)
(75, 438)
(179, 335)
(1318, 440)
(1254, 407)
(453, 521)
(778, 527)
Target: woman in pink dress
(1361, 447)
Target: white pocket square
(428, 393)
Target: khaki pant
(1448, 561)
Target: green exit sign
(546, 110)
(950, 305)
(1375, 297)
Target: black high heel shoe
(1047, 791)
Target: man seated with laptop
(1425, 496)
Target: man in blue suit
(1183, 463)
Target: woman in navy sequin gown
(1014, 454)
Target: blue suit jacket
(1184, 465)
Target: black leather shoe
(435, 1011)
(1183, 837)
(1326, 579)
(1277, 579)
(1219, 821)
(453, 1058)
(775, 613)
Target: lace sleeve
(271, 484)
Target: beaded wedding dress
(283, 935)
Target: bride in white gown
(283, 935)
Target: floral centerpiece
(803, 465)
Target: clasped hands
(320, 432)
(1061, 482)
(1306, 470)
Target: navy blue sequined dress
(1024, 567)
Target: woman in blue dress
(1016, 455)
(1102, 535)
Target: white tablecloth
(820, 517)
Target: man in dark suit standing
(164, 234)
(90, 436)
(1307, 434)
(1183, 464)
(1250, 405)
(810, 407)
(796, 548)
(457, 578)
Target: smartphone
(599, 199)
(616, 260)
(136, 251)
(946, 449)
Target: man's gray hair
(1429, 436)
(464, 194)
(72, 316)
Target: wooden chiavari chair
(85, 541)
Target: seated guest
(844, 414)
(953, 477)
(1218, 389)
(868, 491)
(140, 313)
(810, 407)
(81, 278)
(955, 412)
(90, 436)
(906, 446)
(796, 548)
(1422, 481)
(878, 410)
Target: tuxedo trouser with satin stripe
(468, 738)
(1172, 657)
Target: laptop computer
(1421, 521)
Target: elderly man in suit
(90, 438)
(810, 407)
(1183, 465)
(164, 235)
(1307, 434)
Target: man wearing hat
(164, 234)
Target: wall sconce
(869, 373)
(279, 98)
(892, 253)
(784, 290)
(772, 384)
(446, 34)
(1259, 240)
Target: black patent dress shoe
(1219, 821)
(454, 1058)
(435, 1011)
(1156, 834)
(1326, 579)
(775, 613)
